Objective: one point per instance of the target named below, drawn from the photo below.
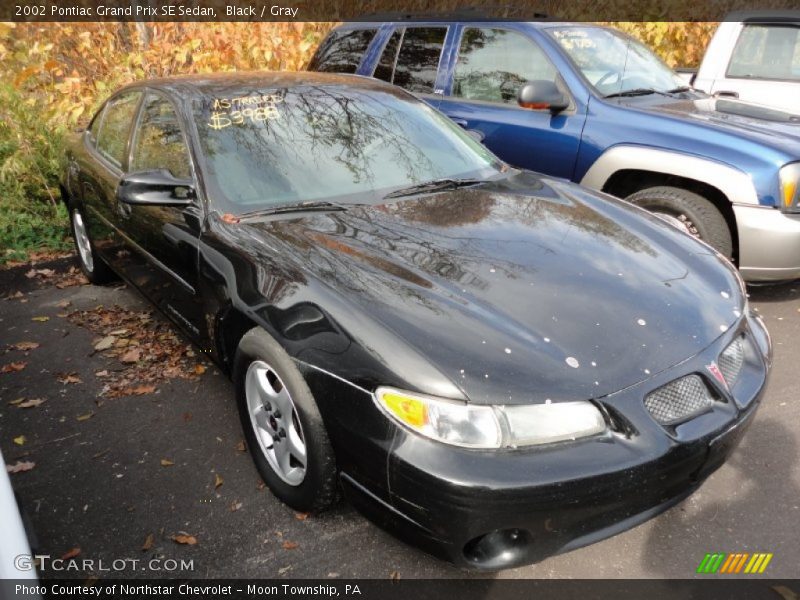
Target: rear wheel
(96, 271)
(282, 425)
(688, 211)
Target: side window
(159, 142)
(94, 127)
(493, 64)
(385, 67)
(112, 139)
(767, 52)
(342, 51)
(418, 59)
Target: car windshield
(615, 63)
(272, 147)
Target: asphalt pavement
(142, 473)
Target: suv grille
(730, 361)
(679, 400)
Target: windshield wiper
(293, 207)
(433, 186)
(635, 92)
(678, 90)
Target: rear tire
(93, 267)
(282, 425)
(697, 216)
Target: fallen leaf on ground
(199, 369)
(15, 296)
(20, 440)
(17, 401)
(166, 462)
(32, 403)
(287, 545)
(20, 466)
(40, 319)
(301, 516)
(394, 575)
(187, 416)
(184, 538)
(69, 378)
(105, 343)
(148, 542)
(140, 390)
(71, 553)
(103, 373)
(235, 505)
(41, 273)
(25, 346)
(131, 356)
(12, 367)
(285, 569)
(86, 417)
(118, 332)
(240, 447)
(63, 304)
(218, 481)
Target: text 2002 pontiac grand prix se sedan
(495, 365)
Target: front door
(481, 89)
(163, 240)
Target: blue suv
(592, 105)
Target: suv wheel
(688, 211)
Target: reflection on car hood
(524, 289)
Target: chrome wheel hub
(82, 241)
(274, 419)
(680, 221)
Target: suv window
(112, 139)
(342, 51)
(767, 51)
(385, 67)
(493, 64)
(418, 59)
(159, 141)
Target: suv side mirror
(155, 188)
(542, 94)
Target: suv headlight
(471, 426)
(789, 177)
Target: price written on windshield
(236, 111)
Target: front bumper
(769, 243)
(499, 509)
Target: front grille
(730, 361)
(679, 400)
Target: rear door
(163, 240)
(106, 142)
(487, 68)
(411, 58)
(764, 66)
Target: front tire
(690, 212)
(93, 267)
(282, 425)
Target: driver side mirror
(542, 95)
(155, 188)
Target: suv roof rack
(485, 13)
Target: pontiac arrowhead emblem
(714, 370)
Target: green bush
(31, 215)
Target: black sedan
(496, 365)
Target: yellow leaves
(20, 440)
(165, 462)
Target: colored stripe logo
(734, 563)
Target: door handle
(726, 94)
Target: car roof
(543, 23)
(203, 84)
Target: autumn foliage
(54, 75)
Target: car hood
(766, 125)
(519, 291)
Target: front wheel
(688, 211)
(282, 425)
(95, 269)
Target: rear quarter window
(767, 51)
(342, 51)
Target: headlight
(789, 177)
(473, 426)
